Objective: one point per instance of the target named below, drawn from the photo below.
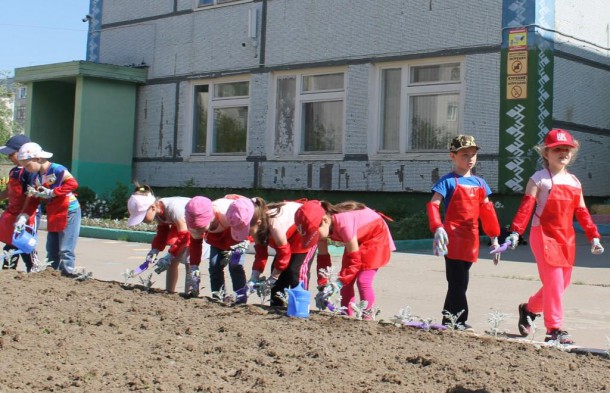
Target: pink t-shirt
(542, 179)
(346, 224)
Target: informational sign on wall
(516, 65)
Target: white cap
(32, 150)
(138, 205)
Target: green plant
(495, 318)
(118, 201)
(414, 226)
(453, 320)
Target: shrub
(414, 226)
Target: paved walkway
(417, 280)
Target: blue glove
(163, 263)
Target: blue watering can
(25, 240)
(298, 301)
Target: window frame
(407, 91)
(302, 97)
(217, 103)
(219, 3)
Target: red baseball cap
(558, 137)
(308, 219)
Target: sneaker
(558, 335)
(465, 327)
(524, 324)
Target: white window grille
(309, 113)
(226, 130)
(420, 106)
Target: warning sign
(517, 63)
(516, 87)
(517, 39)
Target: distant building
(358, 95)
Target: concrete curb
(116, 234)
(146, 237)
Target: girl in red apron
(465, 199)
(14, 216)
(210, 221)
(272, 225)
(368, 246)
(556, 196)
(168, 213)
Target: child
(224, 249)
(465, 199)
(368, 245)
(55, 186)
(171, 230)
(12, 218)
(273, 226)
(557, 197)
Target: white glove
(31, 191)
(270, 282)
(494, 245)
(152, 254)
(331, 289)
(596, 247)
(253, 282)
(441, 240)
(20, 223)
(513, 238)
(44, 193)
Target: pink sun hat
(138, 205)
(199, 213)
(239, 214)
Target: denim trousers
(61, 245)
(217, 277)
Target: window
(309, 113)
(206, 3)
(420, 107)
(20, 112)
(225, 131)
(22, 93)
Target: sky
(37, 32)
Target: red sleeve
(522, 218)
(182, 242)
(322, 262)
(195, 251)
(350, 267)
(434, 216)
(260, 257)
(587, 224)
(489, 219)
(67, 186)
(282, 257)
(160, 240)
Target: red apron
(462, 222)
(557, 227)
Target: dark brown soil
(58, 334)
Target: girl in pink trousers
(368, 246)
(554, 196)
